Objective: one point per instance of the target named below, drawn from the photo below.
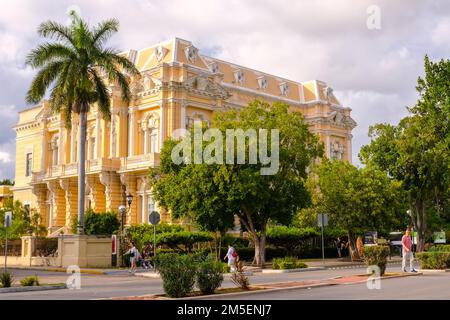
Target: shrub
(238, 277)
(177, 272)
(439, 248)
(287, 263)
(289, 237)
(376, 255)
(6, 280)
(209, 275)
(236, 242)
(30, 281)
(184, 238)
(103, 223)
(142, 234)
(433, 260)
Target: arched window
(150, 128)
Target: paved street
(120, 285)
(428, 286)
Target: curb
(269, 271)
(57, 269)
(433, 270)
(355, 266)
(206, 297)
(28, 289)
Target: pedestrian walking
(134, 256)
(339, 243)
(407, 253)
(232, 257)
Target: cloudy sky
(373, 70)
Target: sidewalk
(97, 271)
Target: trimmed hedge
(376, 255)
(287, 263)
(433, 260)
(97, 223)
(439, 248)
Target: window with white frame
(153, 135)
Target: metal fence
(46, 247)
(14, 248)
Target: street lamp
(123, 211)
(129, 200)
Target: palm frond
(57, 31)
(103, 99)
(43, 80)
(48, 52)
(104, 31)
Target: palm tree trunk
(81, 171)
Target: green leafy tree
(24, 221)
(240, 188)
(75, 69)
(6, 182)
(416, 152)
(359, 200)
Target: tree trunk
(420, 224)
(260, 247)
(81, 171)
(352, 248)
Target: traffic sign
(322, 219)
(154, 217)
(8, 219)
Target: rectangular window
(29, 164)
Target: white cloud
(372, 71)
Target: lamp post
(123, 211)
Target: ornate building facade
(178, 86)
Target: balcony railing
(142, 161)
(71, 169)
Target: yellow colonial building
(178, 86)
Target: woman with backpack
(232, 256)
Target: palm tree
(74, 68)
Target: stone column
(162, 120)
(131, 125)
(112, 137)
(58, 200)
(98, 139)
(328, 144)
(70, 189)
(61, 144)
(113, 190)
(129, 182)
(44, 149)
(73, 142)
(349, 147)
(96, 193)
(40, 192)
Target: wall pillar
(40, 192)
(129, 181)
(70, 188)
(113, 191)
(58, 201)
(131, 126)
(96, 193)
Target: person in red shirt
(407, 251)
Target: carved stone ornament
(160, 53)
(191, 53)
